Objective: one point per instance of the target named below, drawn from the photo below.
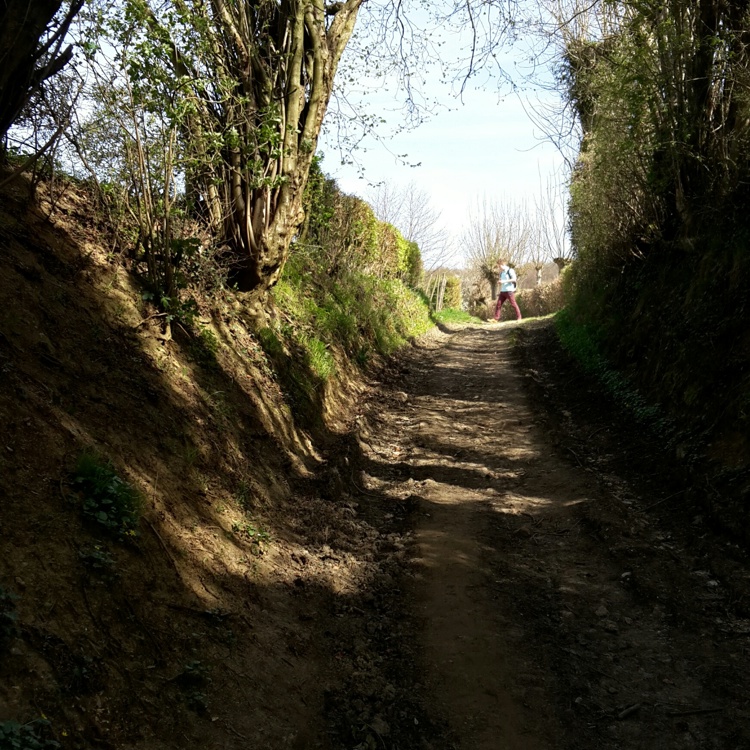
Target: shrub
(410, 262)
(346, 288)
(97, 560)
(193, 681)
(106, 499)
(452, 297)
(257, 537)
(30, 736)
(341, 235)
(542, 300)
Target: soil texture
(473, 550)
(561, 592)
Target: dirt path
(552, 609)
(491, 560)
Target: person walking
(508, 283)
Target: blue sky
(485, 146)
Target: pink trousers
(510, 297)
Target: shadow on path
(537, 631)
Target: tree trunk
(261, 220)
(22, 24)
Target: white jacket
(508, 280)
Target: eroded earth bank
(490, 557)
(557, 589)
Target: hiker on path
(507, 289)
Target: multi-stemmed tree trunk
(552, 227)
(30, 51)
(250, 83)
(497, 230)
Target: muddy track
(554, 603)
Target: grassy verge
(361, 314)
(325, 321)
(450, 315)
(580, 342)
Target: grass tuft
(319, 359)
